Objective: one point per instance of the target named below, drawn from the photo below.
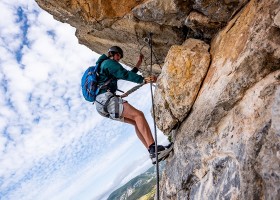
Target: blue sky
(53, 144)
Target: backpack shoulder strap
(105, 85)
(99, 64)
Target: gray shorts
(115, 106)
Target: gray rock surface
(228, 147)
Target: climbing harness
(105, 106)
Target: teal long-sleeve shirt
(111, 69)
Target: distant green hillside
(141, 187)
(150, 195)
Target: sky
(53, 144)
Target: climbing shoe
(163, 152)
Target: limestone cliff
(218, 91)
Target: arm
(148, 79)
(119, 72)
(138, 64)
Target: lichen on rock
(178, 85)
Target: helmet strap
(111, 54)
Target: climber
(114, 107)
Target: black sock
(152, 146)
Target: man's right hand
(150, 79)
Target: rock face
(178, 85)
(126, 23)
(229, 146)
(219, 85)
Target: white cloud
(8, 28)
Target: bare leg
(141, 123)
(129, 121)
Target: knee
(140, 114)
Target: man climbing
(114, 107)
